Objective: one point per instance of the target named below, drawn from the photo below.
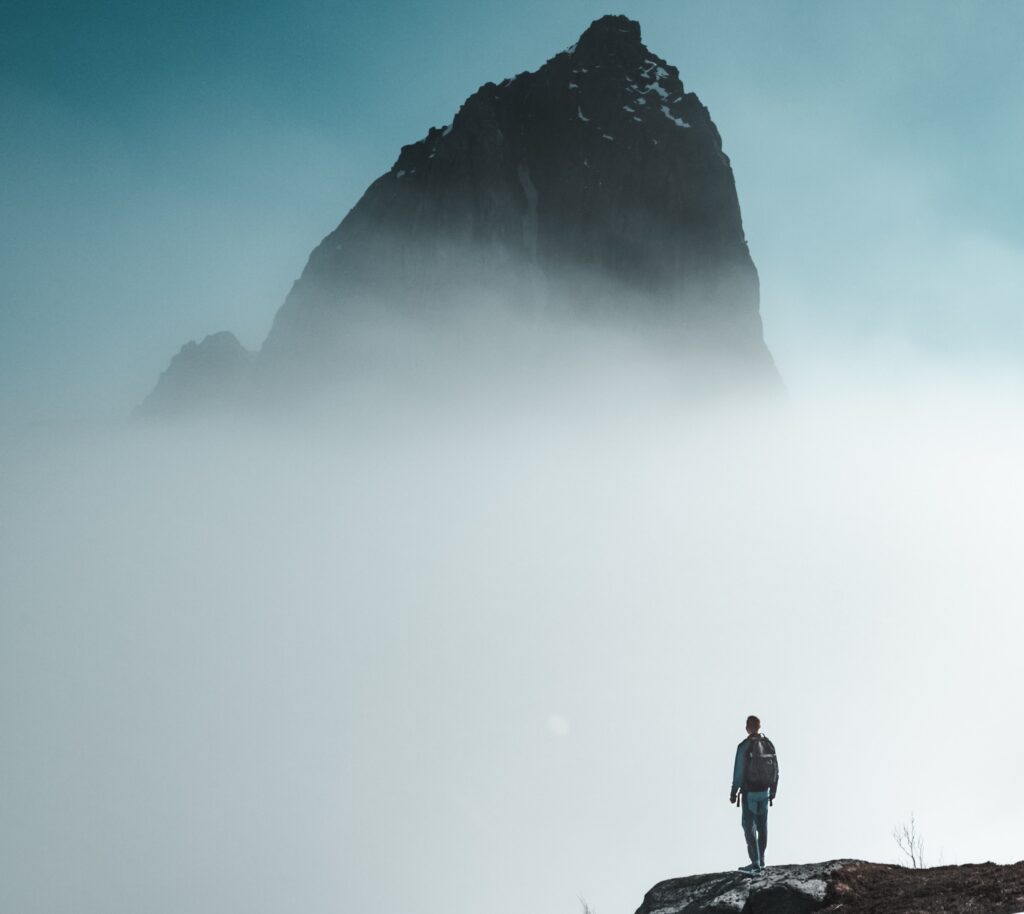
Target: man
(755, 781)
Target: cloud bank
(497, 648)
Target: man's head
(753, 725)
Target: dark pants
(755, 824)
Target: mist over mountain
(591, 193)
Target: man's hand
(732, 798)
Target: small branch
(910, 842)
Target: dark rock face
(594, 186)
(594, 189)
(846, 886)
(209, 372)
(779, 890)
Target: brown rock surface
(873, 888)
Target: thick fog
(492, 643)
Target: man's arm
(737, 771)
(775, 781)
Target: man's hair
(753, 723)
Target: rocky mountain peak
(593, 188)
(608, 38)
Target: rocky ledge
(847, 886)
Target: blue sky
(165, 169)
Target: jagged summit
(607, 37)
(606, 79)
(594, 188)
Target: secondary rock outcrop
(212, 371)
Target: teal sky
(165, 169)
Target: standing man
(755, 781)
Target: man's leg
(762, 830)
(749, 830)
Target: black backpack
(762, 767)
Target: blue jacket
(740, 765)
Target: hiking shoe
(750, 868)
